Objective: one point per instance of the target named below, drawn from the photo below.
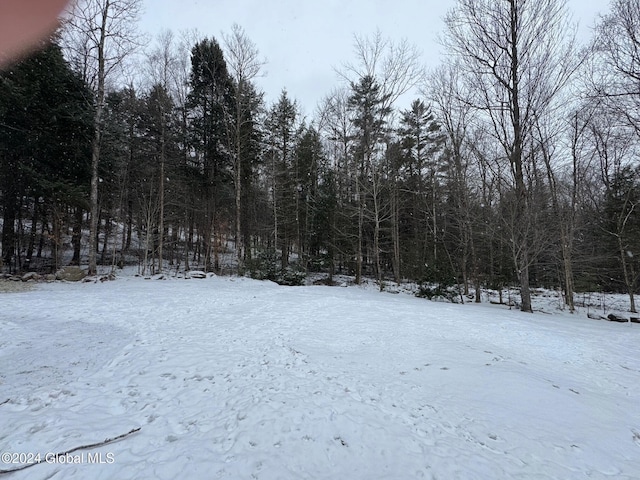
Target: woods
(513, 164)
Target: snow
(233, 378)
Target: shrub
(267, 266)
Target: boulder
(31, 276)
(196, 274)
(71, 274)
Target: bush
(439, 286)
(291, 276)
(263, 266)
(266, 266)
(438, 291)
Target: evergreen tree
(421, 142)
(122, 160)
(308, 159)
(280, 156)
(369, 116)
(248, 158)
(620, 234)
(211, 105)
(161, 127)
(45, 131)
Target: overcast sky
(303, 40)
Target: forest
(514, 166)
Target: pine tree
(211, 103)
(420, 144)
(308, 159)
(44, 134)
(369, 116)
(280, 157)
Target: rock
(71, 274)
(196, 274)
(616, 318)
(31, 276)
(49, 277)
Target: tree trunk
(105, 243)
(376, 238)
(525, 289)
(627, 277)
(95, 150)
(568, 271)
(9, 232)
(396, 233)
(32, 234)
(359, 252)
(238, 198)
(57, 235)
(161, 199)
(76, 236)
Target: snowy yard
(232, 378)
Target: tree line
(516, 165)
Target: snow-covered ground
(232, 378)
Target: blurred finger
(24, 23)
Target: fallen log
(106, 441)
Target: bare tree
(517, 56)
(567, 141)
(391, 69)
(616, 61)
(445, 87)
(618, 212)
(162, 67)
(395, 66)
(335, 124)
(100, 35)
(244, 64)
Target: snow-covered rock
(195, 274)
(71, 274)
(31, 276)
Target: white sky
(303, 41)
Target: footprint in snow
(495, 359)
(339, 439)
